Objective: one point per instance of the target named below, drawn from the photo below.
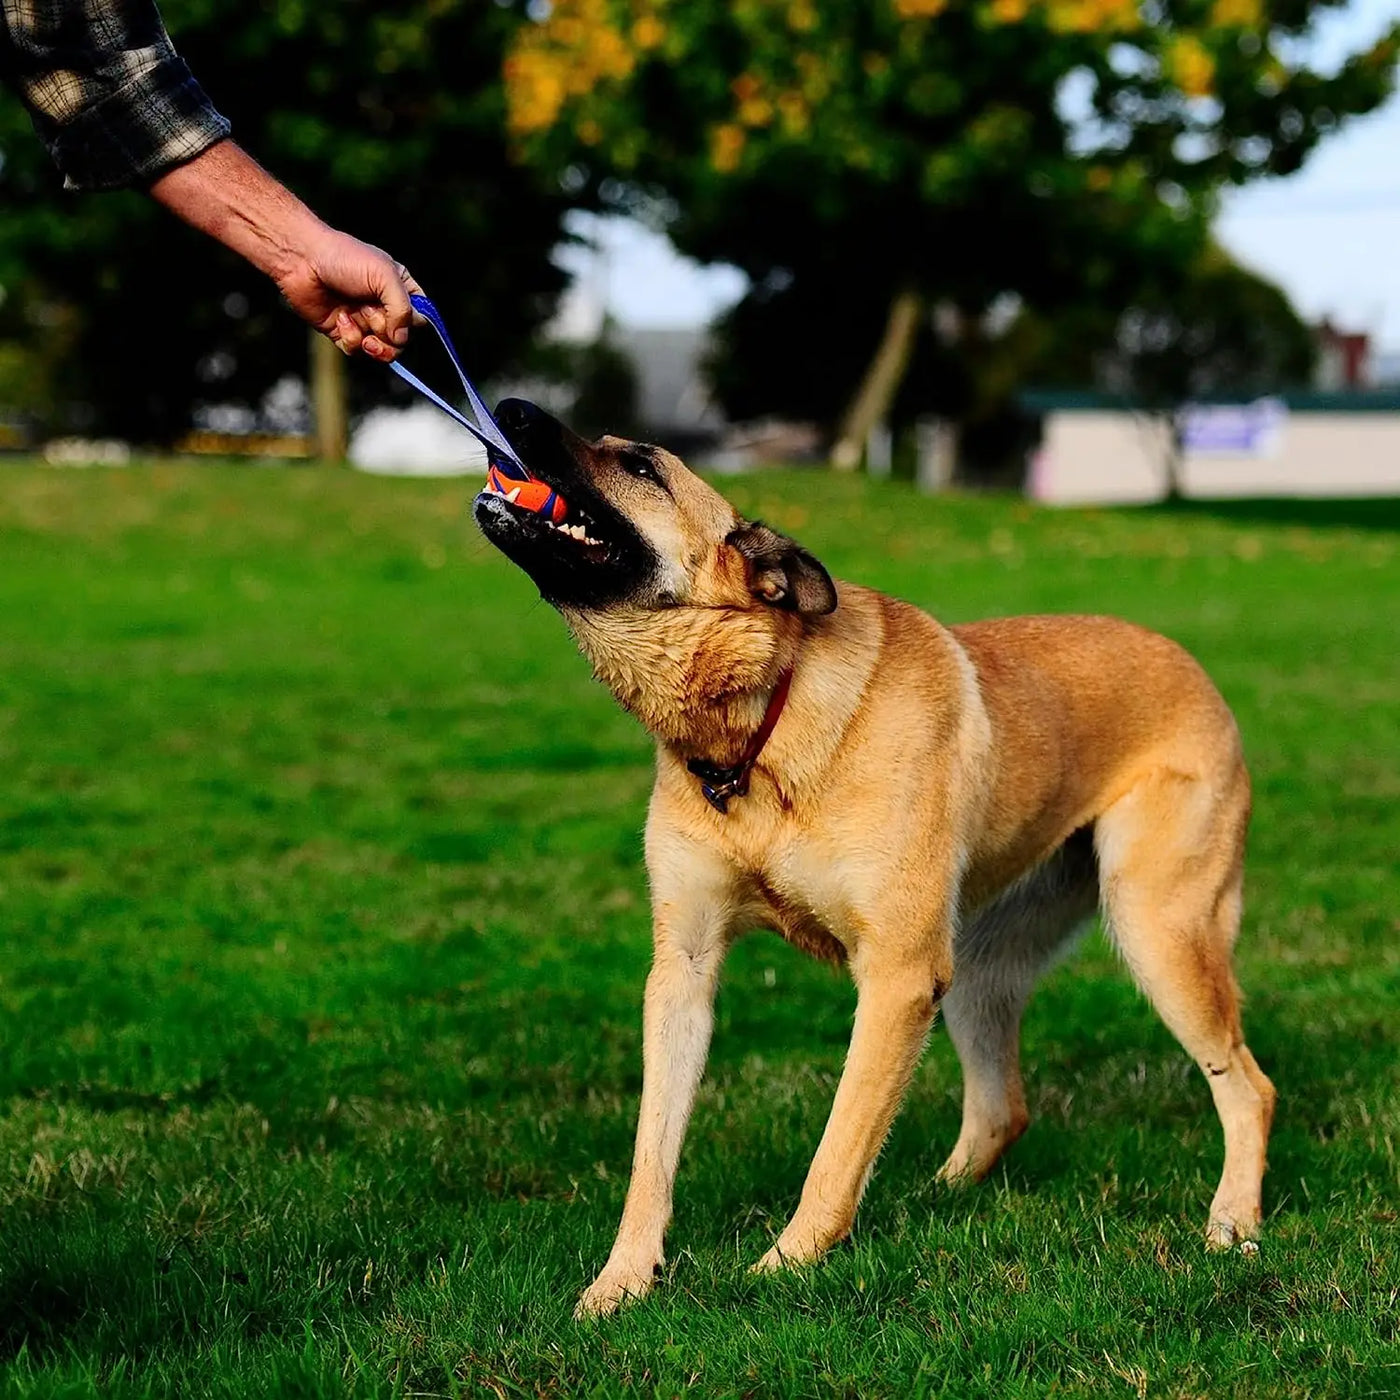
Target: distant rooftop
(1296, 400)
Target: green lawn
(324, 929)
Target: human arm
(116, 106)
(350, 291)
(108, 95)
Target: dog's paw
(614, 1287)
(1224, 1233)
(963, 1168)
(771, 1263)
(783, 1256)
(979, 1148)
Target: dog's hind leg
(1171, 852)
(998, 954)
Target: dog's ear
(781, 573)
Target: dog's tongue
(531, 494)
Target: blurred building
(674, 402)
(1095, 449)
(1343, 359)
(1386, 368)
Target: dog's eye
(638, 464)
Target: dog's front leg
(691, 934)
(896, 999)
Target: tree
(389, 120)
(1176, 332)
(932, 152)
(1219, 329)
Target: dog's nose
(518, 414)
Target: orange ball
(533, 495)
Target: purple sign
(1233, 430)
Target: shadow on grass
(1359, 513)
(79, 1294)
(76, 1292)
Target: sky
(1329, 235)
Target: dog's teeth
(575, 531)
(513, 496)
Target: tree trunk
(1176, 450)
(882, 379)
(330, 418)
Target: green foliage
(1067, 151)
(1209, 327)
(1216, 329)
(387, 120)
(324, 930)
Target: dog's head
(642, 531)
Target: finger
(348, 335)
(397, 313)
(410, 282)
(377, 350)
(372, 320)
(331, 330)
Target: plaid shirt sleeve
(107, 93)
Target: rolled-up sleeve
(109, 96)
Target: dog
(937, 808)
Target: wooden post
(330, 418)
(937, 454)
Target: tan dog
(938, 808)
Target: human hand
(353, 293)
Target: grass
(324, 930)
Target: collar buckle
(720, 784)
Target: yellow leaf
(727, 147)
(796, 115)
(1237, 14)
(1190, 66)
(745, 87)
(535, 92)
(1092, 16)
(919, 9)
(648, 32)
(757, 111)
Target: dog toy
(533, 494)
(506, 474)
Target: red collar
(720, 784)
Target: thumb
(393, 296)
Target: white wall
(1103, 457)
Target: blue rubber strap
(480, 424)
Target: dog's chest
(805, 892)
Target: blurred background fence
(993, 242)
